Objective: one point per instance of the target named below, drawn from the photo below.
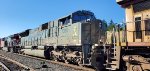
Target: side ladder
(113, 55)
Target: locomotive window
(44, 26)
(78, 18)
(82, 16)
(138, 28)
(147, 27)
(64, 21)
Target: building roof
(125, 3)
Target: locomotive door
(138, 29)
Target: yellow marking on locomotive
(75, 31)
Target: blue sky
(19, 15)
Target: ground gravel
(36, 64)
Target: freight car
(130, 48)
(133, 54)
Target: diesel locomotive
(70, 39)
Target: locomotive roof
(79, 12)
(85, 12)
(24, 33)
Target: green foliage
(104, 23)
(122, 27)
(111, 25)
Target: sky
(19, 15)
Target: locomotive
(70, 39)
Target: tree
(104, 23)
(111, 25)
(122, 27)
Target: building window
(147, 27)
(138, 31)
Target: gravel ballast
(37, 64)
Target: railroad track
(40, 64)
(7, 64)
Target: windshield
(82, 16)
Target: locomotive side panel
(91, 32)
(69, 35)
(96, 33)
